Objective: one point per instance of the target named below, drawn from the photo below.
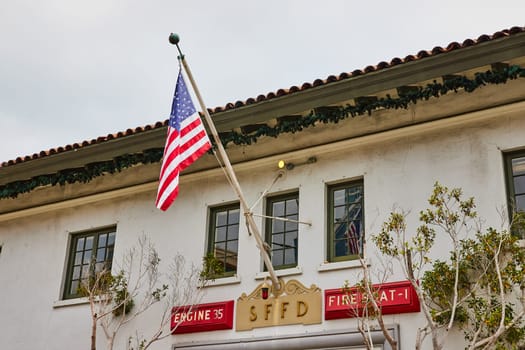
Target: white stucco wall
(397, 171)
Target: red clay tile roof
(282, 92)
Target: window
(515, 169)
(89, 252)
(516, 181)
(282, 236)
(345, 221)
(223, 240)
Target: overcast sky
(75, 70)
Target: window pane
(233, 216)
(232, 247)
(518, 166)
(102, 240)
(278, 241)
(341, 248)
(291, 226)
(76, 273)
(74, 287)
(355, 227)
(291, 239)
(290, 256)
(87, 257)
(99, 267)
(278, 209)
(220, 234)
(277, 257)
(340, 230)
(78, 258)
(89, 243)
(220, 250)
(101, 254)
(519, 184)
(80, 244)
(291, 206)
(221, 218)
(520, 203)
(339, 197)
(233, 231)
(354, 211)
(353, 238)
(348, 246)
(339, 213)
(109, 256)
(111, 239)
(85, 271)
(231, 263)
(354, 194)
(277, 226)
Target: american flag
(186, 141)
(353, 234)
(353, 238)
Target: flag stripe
(171, 188)
(190, 154)
(170, 152)
(185, 142)
(170, 173)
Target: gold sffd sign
(293, 303)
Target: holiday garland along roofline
(329, 115)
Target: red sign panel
(202, 317)
(393, 298)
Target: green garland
(321, 115)
(334, 115)
(83, 174)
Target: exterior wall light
(282, 165)
(289, 165)
(265, 290)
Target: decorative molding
(292, 287)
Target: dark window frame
(330, 236)
(212, 227)
(77, 267)
(288, 229)
(508, 157)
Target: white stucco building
(55, 204)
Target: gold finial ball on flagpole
(174, 38)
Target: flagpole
(174, 39)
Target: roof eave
(85, 155)
(497, 50)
